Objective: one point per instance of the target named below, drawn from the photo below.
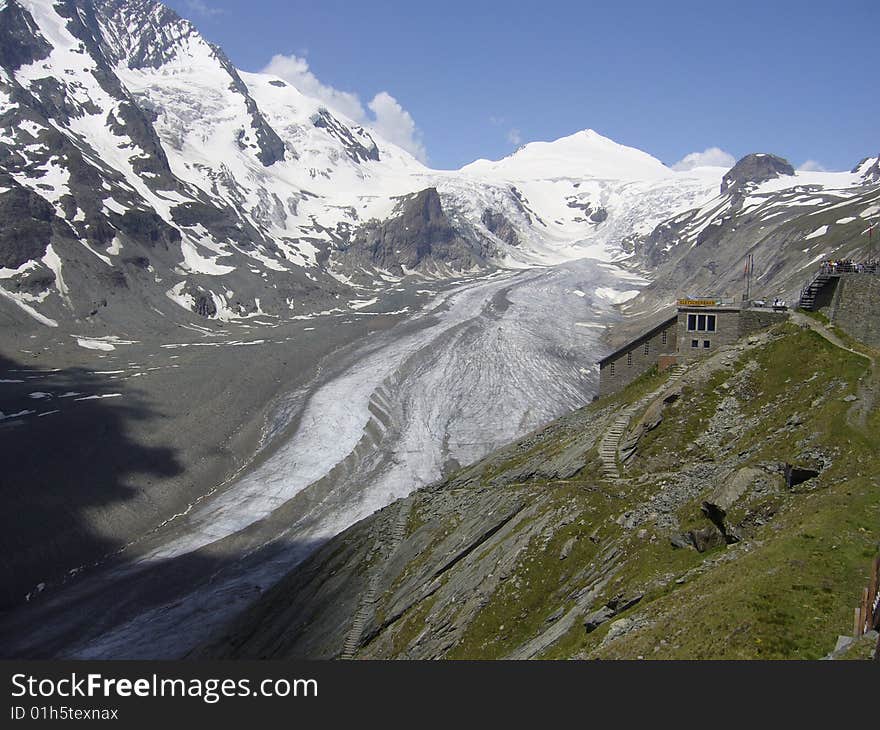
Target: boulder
(718, 517)
(705, 539)
(567, 548)
(734, 487)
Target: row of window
(702, 323)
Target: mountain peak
(757, 167)
(583, 154)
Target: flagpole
(749, 264)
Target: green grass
(788, 598)
(793, 591)
(787, 591)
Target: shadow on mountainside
(66, 459)
(73, 482)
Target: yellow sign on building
(697, 302)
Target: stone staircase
(811, 291)
(366, 606)
(610, 443)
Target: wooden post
(872, 592)
(857, 622)
(863, 610)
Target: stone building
(622, 366)
(704, 327)
(699, 327)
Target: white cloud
(514, 137)
(396, 124)
(812, 166)
(200, 7)
(296, 70)
(711, 157)
(390, 120)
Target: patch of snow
(19, 301)
(361, 303)
(616, 297)
(94, 344)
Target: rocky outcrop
(27, 227)
(358, 150)
(755, 168)
(498, 224)
(418, 237)
(20, 44)
(600, 215)
(869, 169)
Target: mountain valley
(258, 362)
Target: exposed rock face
(204, 304)
(869, 168)
(27, 227)
(498, 224)
(600, 215)
(419, 237)
(704, 250)
(21, 43)
(360, 150)
(755, 168)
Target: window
(648, 347)
(665, 336)
(695, 343)
(701, 322)
(629, 359)
(611, 369)
(706, 344)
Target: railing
(835, 268)
(850, 267)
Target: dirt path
(868, 386)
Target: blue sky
(463, 80)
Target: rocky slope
(706, 547)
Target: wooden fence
(867, 613)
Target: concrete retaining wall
(856, 307)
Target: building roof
(637, 340)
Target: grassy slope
(786, 591)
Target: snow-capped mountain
(788, 220)
(144, 173)
(146, 178)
